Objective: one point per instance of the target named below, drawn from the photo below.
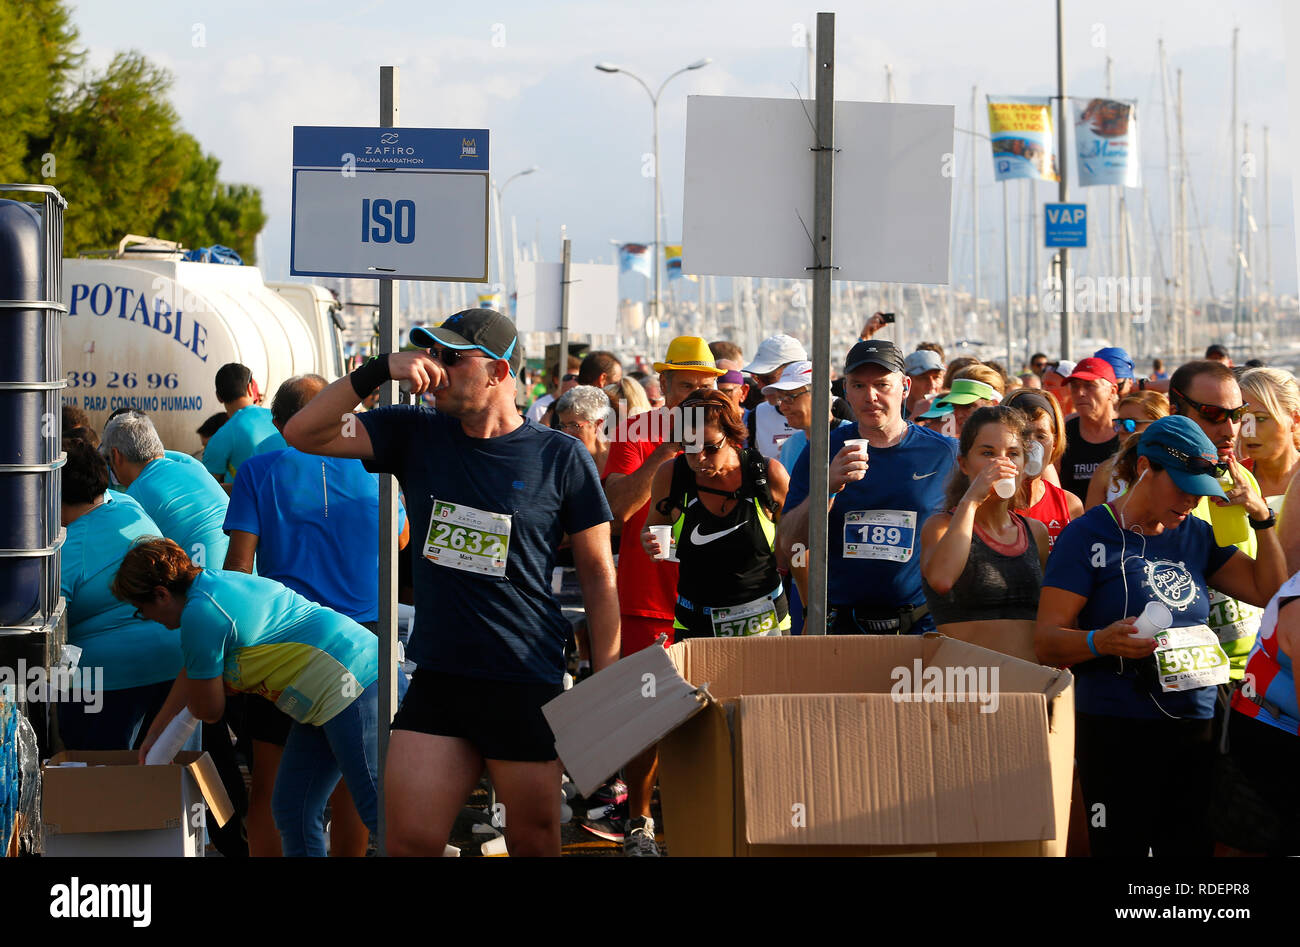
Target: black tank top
(725, 560)
(1082, 458)
(993, 586)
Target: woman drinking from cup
(1044, 500)
(981, 563)
(721, 501)
(1145, 705)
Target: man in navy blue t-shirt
(880, 497)
(489, 495)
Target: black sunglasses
(1194, 463)
(714, 448)
(450, 358)
(1215, 414)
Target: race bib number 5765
(461, 537)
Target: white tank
(151, 334)
(317, 307)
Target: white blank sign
(444, 230)
(750, 178)
(593, 298)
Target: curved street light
(498, 193)
(654, 104)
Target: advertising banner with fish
(1021, 129)
(1106, 137)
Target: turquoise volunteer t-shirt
(182, 458)
(266, 639)
(131, 652)
(236, 441)
(188, 506)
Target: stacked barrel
(32, 620)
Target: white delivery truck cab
(149, 331)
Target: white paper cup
(665, 536)
(854, 442)
(1154, 619)
(1005, 488)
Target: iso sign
(401, 203)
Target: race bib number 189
(880, 534)
(461, 537)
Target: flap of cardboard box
(615, 714)
(844, 664)
(867, 769)
(205, 773)
(113, 793)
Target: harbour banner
(1023, 139)
(1106, 138)
(634, 258)
(673, 262)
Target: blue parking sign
(1065, 225)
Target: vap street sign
(402, 203)
(1066, 225)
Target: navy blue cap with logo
(484, 329)
(1118, 359)
(1179, 446)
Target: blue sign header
(402, 149)
(1065, 225)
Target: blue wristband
(1092, 647)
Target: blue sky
(525, 71)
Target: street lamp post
(654, 105)
(498, 193)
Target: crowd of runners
(1039, 513)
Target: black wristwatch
(1264, 524)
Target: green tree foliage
(37, 45)
(110, 141)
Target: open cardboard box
(115, 807)
(800, 745)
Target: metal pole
(1236, 194)
(1006, 267)
(388, 118)
(1184, 244)
(820, 435)
(564, 310)
(1171, 289)
(974, 204)
(1268, 247)
(501, 261)
(1063, 192)
(655, 305)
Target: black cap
(484, 329)
(882, 353)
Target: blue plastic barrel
(25, 423)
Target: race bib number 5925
(461, 537)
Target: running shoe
(640, 838)
(613, 792)
(610, 827)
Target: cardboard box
(816, 746)
(115, 807)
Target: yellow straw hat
(689, 353)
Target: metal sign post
(820, 435)
(563, 361)
(388, 118)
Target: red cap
(1092, 369)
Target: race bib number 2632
(461, 537)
